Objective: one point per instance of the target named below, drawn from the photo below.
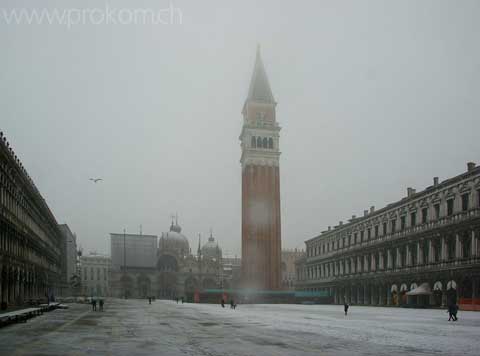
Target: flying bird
(95, 180)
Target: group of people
(232, 304)
(94, 304)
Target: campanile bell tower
(261, 228)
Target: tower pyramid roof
(259, 89)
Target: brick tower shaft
(261, 226)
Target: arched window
(265, 142)
(259, 142)
(270, 143)
(254, 142)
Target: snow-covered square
(133, 327)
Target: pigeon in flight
(95, 180)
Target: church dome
(211, 249)
(174, 241)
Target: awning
(423, 289)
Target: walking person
(454, 312)
(345, 308)
(149, 300)
(222, 302)
(94, 304)
(232, 304)
(101, 304)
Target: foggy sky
(373, 97)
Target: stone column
(408, 260)
(458, 248)
(419, 254)
(474, 244)
(389, 295)
(430, 251)
(389, 259)
(444, 249)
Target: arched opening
(270, 143)
(259, 142)
(254, 142)
(466, 242)
(394, 293)
(466, 291)
(451, 292)
(265, 142)
(167, 283)
(450, 248)
(144, 286)
(167, 263)
(126, 283)
(403, 296)
(191, 285)
(437, 294)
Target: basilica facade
(423, 249)
(165, 267)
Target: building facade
(174, 271)
(31, 244)
(70, 256)
(289, 272)
(261, 228)
(95, 275)
(426, 245)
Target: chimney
(372, 209)
(340, 223)
(435, 181)
(470, 166)
(365, 212)
(329, 228)
(410, 191)
(354, 217)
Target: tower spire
(259, 89)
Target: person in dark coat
(345, 308)
(454, 312)
(149, 300)
(94, 304)
(222, 302)
(100, 302)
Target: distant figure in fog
(345, 308)
(149, 300)
(232, 304)
(182, 300)
(94, 304)
(222, 302)
(176, 299)
(454, 312)
(101, 304)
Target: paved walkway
(133, 327)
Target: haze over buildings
(370, 100)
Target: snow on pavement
(133, 327)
